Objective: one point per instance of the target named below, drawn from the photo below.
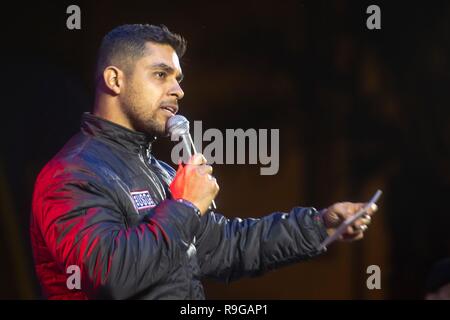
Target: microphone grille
(176, 126)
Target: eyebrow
(167, 69)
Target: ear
(113, 79)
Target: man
(133, 226)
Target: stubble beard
(141, 120)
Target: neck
(108, 108)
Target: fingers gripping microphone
(178, 126)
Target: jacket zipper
(143, 155)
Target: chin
(157, 129)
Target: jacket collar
(116, 134)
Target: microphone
(178, 126)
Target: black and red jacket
(103, 204)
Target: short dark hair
(126, 43)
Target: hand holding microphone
(193, 182)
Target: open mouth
(170, 108)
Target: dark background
(357, 110)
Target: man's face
(152, 90)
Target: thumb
(180, 168)
(177, 180)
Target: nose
(177, 91)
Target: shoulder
(80, 158)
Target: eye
(160, 74)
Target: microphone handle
(188, 144)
